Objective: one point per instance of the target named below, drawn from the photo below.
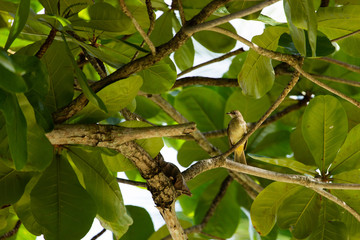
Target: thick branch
(207, 81)
(111, 136)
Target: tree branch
(207, 81)
(216, 22)
(131, 182)
(138, 27)
(12, 232)
(345, 36)
(45, 46)
(338, 201)
(345, 65)
(98, 234)
(111, 136)
(225, 56)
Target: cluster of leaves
(58, 191)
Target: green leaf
(324, 127)
(60, 204)
(227, 214)
(301, 14)
(103, 188)
(23, 209)
(329, 227)
(189, 152)
(16, 128)
(116, 96)
(103, 16)
(299, 146)
(299, 212)
(88, 92)
(12, 184)
(287, 162)
(11, 73)
(236, 65)
(251, 109)
(264, 208)
(274, 144)
(216, 42)
(61, 76)
(257, 75)
(160, 77)
(192, 103)
(36, 78)
(20, 19)
(329, 20)
(184, 56)
(349, 153)
(236, 6)
(142, 220)
(162, 32)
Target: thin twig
(99, 234)
(181, 12)
(227, 18)
(45, 46)
(338, 201)
(12, 232)
(337, 80)
(131, 182)
(345, 65)
(138, 27)
(323, 85)
(218, 59)
(94, 63)
(345, 36)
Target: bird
(236, 130)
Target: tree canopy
(89, 89)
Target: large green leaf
(184, 56)
(349, 153)
(274, 144)
(60, 204)
(23, 209)
(11, 73)
(37, 80)
(329, 227)
(324, 127)
(16, 128)
(302, 15)
(264, 208)
(189, 152)
(12, 184)
(193, 104)
(299, 146)
(300, 212)
(251, 109)
(116, 96)
(227, 214)
(217, 42)
(61, 76)
(160, 77)
(162, 32)
(257, 75)
(21, 16)
(287, 162)
(103, 16)
(236, 6)
(142, 220)
(339, 21)
(103, 188)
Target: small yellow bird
(236, 130)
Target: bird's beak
(228, 113)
